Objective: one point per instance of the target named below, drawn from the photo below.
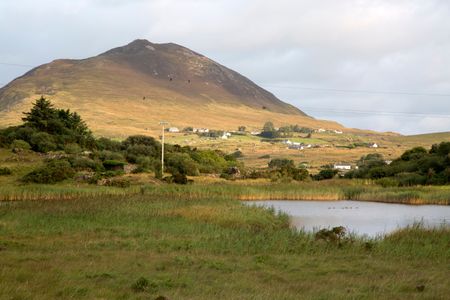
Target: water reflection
(362, 218)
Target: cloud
(375, 45)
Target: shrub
(84, 163)
(5, 171)
(108, 155)
(20, 144)
(72, 148)
(133, 152)
(327, 173)
(336, 235)
(145, 164)
(177, 178)
(43, 142)
(281, 163)
(182, 163)
(209, 161)
(107, 144)
(54, 171)
(113, 165)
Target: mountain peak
(149, 75)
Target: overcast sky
(372, 64)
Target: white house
(255, 132)
(320, 130)
(201, 130)
(343, 167)
(373, 145)
(296, 146)
(173, 129)
(225, 135)
(338, 132)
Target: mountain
(129, 89)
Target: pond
(362, 218)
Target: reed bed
(316, 191)
(205, 245)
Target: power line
(16, 65)
(367, 112)
(359, 91)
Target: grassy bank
(241, 190)
(204, 246)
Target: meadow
(179, 243)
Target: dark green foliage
(414, 154)
(326, 173)
(146, 164)
(285, 170)
(20, 145)
(81, 163)
(415, 167)
(209, 161)
(113, 165)
(72, 148)
(279, 163)
(336, 235)
(177, 178)
(43, 142)
(269, 131)
(52, 172)
(233, 156)
(108, 155)
(5, 171)
(181, 163)
(107, 144)
(46, 128)
(140, 145)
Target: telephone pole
(162, 123)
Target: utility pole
(162, 123)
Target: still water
(363, 218)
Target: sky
(371, 64)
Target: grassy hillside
(128, 90)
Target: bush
(133, 152)
(107, 144)
(113, 165)
(84, 163)
(72, 148)
(209, 161)
(326, 174)
(54, 171)
(5, 171)
(108, 155)
(182, 163)
(43, 142)
(177, 178)
(20, 145)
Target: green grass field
(164, 244)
